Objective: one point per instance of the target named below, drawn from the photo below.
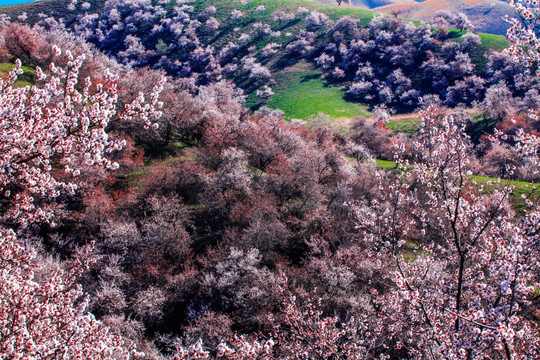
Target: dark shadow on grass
(311, 77)
(257, 106)
(454, 35)
(476, 129)
(286, 61)
(287, 24)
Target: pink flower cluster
(47, 319)
(239, 349)
(523, 33)
(467, 294)
(57, 121)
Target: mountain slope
(395, 48)
(486, 15)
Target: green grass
(385, 164)
(55, 8)
(478, 55)
(333, 11)
(301, 92)
(404, 125)
(520, 188)
(489, 41)
(27, 78)
(494, 42)
(411, 251)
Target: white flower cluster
(58, 119)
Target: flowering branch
(57, 123)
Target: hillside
(59, 9)
(486, 15)
(270, 180)
(336, 82)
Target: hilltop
(486, 15)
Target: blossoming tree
(56, 124)
(523, 33)
(60, 121)
(467, 291)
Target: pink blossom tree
(56, 125)
(467, 291)
(305, 333)
(239, 348)
(523, 33)
(301, 331)
(60, 121)
(47, 319)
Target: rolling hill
(300, 87)
(486, 15)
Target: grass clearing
(404, 125)
(385, 164)
(333, 11)
(25, 79)
(489, 42)
(494, 42)
(520, 188)
(301, 92)
(411, 251)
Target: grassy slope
(489, 42)
(520, 188)
(404, 125)
(333, 11)
(479, 124)
(489, 184)
(27, 78)
(55, 8)
(299, 90)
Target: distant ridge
(486, 15)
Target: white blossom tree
(55, 127)
(468, 292)
(60, 121)
(523, 33)
(47, 319)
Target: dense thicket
(217, 221)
